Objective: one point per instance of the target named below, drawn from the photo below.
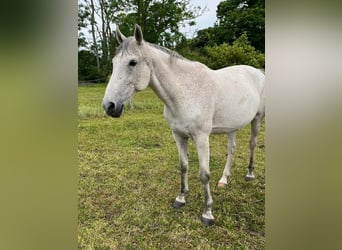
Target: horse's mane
(168, 51)
(125, 47)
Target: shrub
(240, 52)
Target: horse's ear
(138, 34)
(119, 36)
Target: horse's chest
(186, 123)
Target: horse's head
(131, 72)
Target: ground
(129, 177)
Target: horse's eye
(133, 63)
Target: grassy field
(129, 176)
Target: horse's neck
(165, 79)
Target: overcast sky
(206, 20)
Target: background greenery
(129, 176)
(237, 36)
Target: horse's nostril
(112, 109)
(111, 106)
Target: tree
(238, 16)
(92, 22)
(234, 18)
(82, 23)
(159, 19)
(87, 69)
(98, 17)
(205, 37)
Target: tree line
(237, 37)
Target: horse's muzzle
(113, 110)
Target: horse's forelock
(127, 46)
(131, 47)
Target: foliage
(238, 16)
(87, 70)
(159, 20)
(235, 17)
(184, 48)
(236, 38)
(82, 17)
(129, 176)
(205, 37)
(240, 52)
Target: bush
(240, 52)
(87, 69)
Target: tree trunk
(92, 22)
(104, 33)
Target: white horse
(198, 101)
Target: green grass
(129, 176)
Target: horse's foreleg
(255, 128)
(182, 145)
(202, 144)
(231, 150)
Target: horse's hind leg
(231, 150)
(255, 128)
(182, 145)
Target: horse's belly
(238, 91)
(235, 115)
(230, 124)
(222, 130)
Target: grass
(129, 176)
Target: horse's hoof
(207, 222)
(250, 177)
(177, 204)
(221, 184)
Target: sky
(206, 20)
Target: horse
(198, 101)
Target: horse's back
(244, 75)
(240, 96)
